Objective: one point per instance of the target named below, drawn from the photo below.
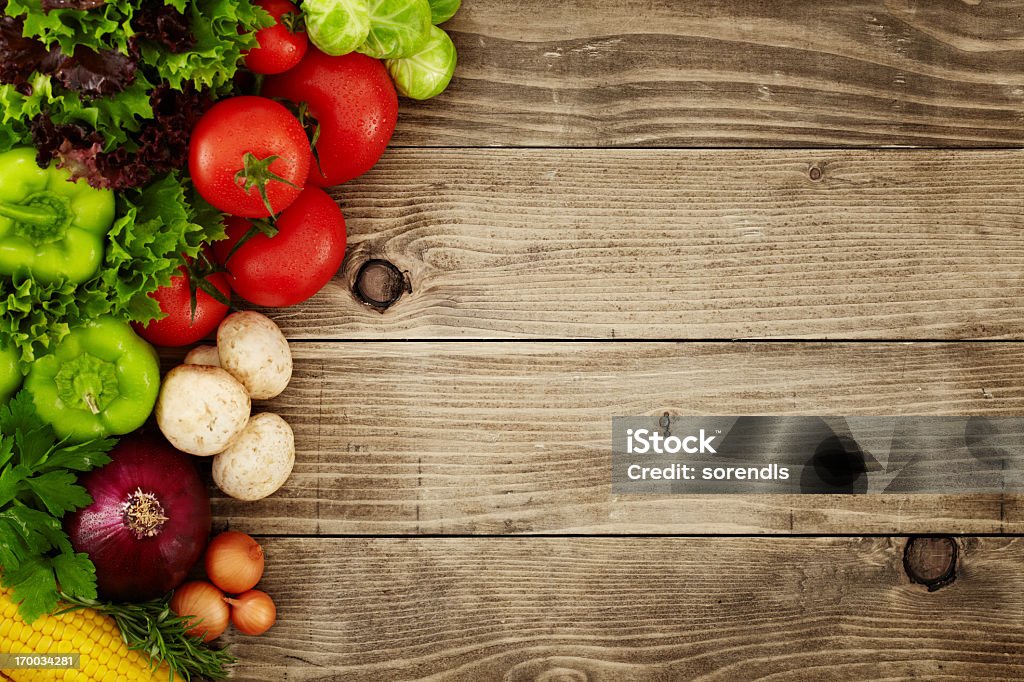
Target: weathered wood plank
(684, 244)
(515, 437)
(643, 610)
(730, 73)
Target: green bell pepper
(100, 380)
(10, 372)
(50, 229)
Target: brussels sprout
(398, 28)
(337, 27)
(443, 10)
(428, 72)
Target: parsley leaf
(76, 574)
(34, 581)
(77, 457)
(58, 492)
(18, 416)
(37, 487)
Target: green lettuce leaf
(114, 116)
(34, 317)
(17, 110)
(99, 28)
(224, 30)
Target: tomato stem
(256, 226)
(294, 22)
(256, 174)
(197, 273)
(309, 123)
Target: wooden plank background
(721, 73)
(608, 195)
(514, 437)
(890, 244)
(634, 610)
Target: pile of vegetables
(234, 565)
(205, 406)
(106, 93)
(117, 94)
(159, 159)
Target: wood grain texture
(730, 73)
(636, 610)
(684, 244)
(515, 437)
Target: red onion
(148, 522)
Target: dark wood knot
(931, 561)
(379, 284)
(816, 173)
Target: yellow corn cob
(104, 655)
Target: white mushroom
(201, 409)
(203, 355)
(259, 461)
(256, 353)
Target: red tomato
(294, 264)
(279, 47)
(354, 101)
(232, 146)
(178, 328)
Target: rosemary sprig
(152, 628)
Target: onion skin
(253, 612)
(234, 562)
(207, 604)
(130, 567)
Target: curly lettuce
(222, 30)
(34, 317)
(102, 27)
(111, 90)
(117, 116)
